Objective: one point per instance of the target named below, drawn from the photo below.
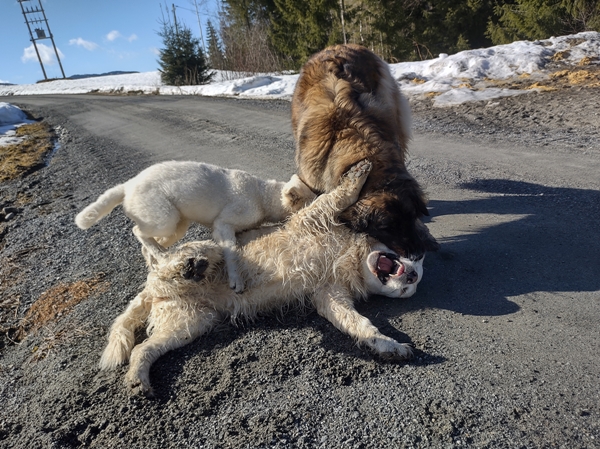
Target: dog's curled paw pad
(390, 349)
(401, 351)
(194, 269)
(138, 388)
(359, 170)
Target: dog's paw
(389, 348)
(137, 387)
(236, 283)
(194, 269)
(359, 171)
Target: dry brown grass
(19, 159)
(545, 88)
(56, 303)
(585, 75)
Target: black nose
(412, 277)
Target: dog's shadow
(524, 238)
(227, 360)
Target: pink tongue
(385, 265)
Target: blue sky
(91, 36)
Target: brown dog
(347, 107)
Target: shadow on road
(522, 238)
(525, 238)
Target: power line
(199, 23)
(35, 15)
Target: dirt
(291, 380)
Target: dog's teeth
(400, 269)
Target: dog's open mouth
(388, 265)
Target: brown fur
(347, 107)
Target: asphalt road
(505, 321)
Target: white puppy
(165, 198)
(311, 259)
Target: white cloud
(46, 53)
(155, 50)
(113, 35)
(91, 46)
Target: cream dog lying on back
(311, 259)
(164, 199)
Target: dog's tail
(101, 207)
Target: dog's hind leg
(122, 333)
(337, 306)
(180, 231)
(178, 328)
(152, 250)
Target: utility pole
(175, 20)
(32, 17)
(199, 22)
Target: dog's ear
(417, 199)
(421, 206)
(295, 194)
(429, 241)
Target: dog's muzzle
(389, 264)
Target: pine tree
(541, 19)
(182, 61)
(301, 28)
(215, 50)
(400, 30)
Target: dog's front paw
(138, 387)
(389, 348)
(116, 353)
(194, 269)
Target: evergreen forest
(278, 35)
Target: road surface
(505, 321)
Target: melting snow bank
(471, 75)
(11, 117)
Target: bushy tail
(101, 207)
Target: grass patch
(50, 307)
(20, 159)
(56, 303)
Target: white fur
(164, 199)
(311, 257)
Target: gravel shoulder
(504, 322)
